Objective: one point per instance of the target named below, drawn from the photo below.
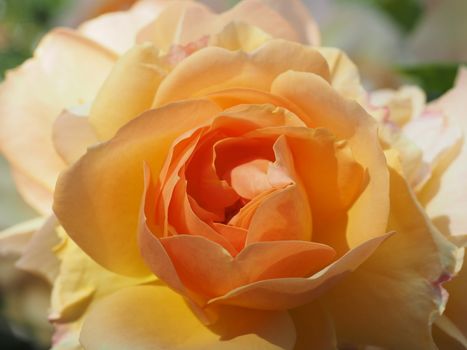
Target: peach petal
(209, 270)
(241, 96)
(155, 328)
(185, 221)
(97, 200)
(346, 120)
(185, 22)
(283, 215)
(118, 30)
(213, 69)
(72, 135)
(34, 94)
(286, 293)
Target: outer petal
(213, 69)
(445, 195)
(32, 97)
(118, 30)
(81, 281)
(154, 318)
(298, 16)
(456, 309)
(185, 22)
(404, 287)
(128, 91)
(38, 256)
(314, 326)
(97, 200)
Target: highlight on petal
(97, 200)
(117, 31)
(388, 283)
(128, 91)
(14, 239)
(345, 78)
(33, 95)
(155, 326)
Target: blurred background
(393, 42)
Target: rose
(266, 71)
(40, 82)
(429, 137)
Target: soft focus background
(392, 41)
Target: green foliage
(22, 23)
(435, 79)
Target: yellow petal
(128, 91)
(405, 286)
(34, 94)
(240, 36)
(447, 335)
(154, 317)
(213, 69)
(97, 200)
(345, 78)
(82, 281)
(38, 257)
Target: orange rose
(227, 169)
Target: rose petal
(72, 134)
(33, 95)
(38, 256)
(157, 328)
(118, 30)
(97, 200)
(346, 120)
(213, 69)
(128, 91)
(81, 281)
(388, 283)
(286, 293)
(314, 326)
(444, 196)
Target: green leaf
(434, 78)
